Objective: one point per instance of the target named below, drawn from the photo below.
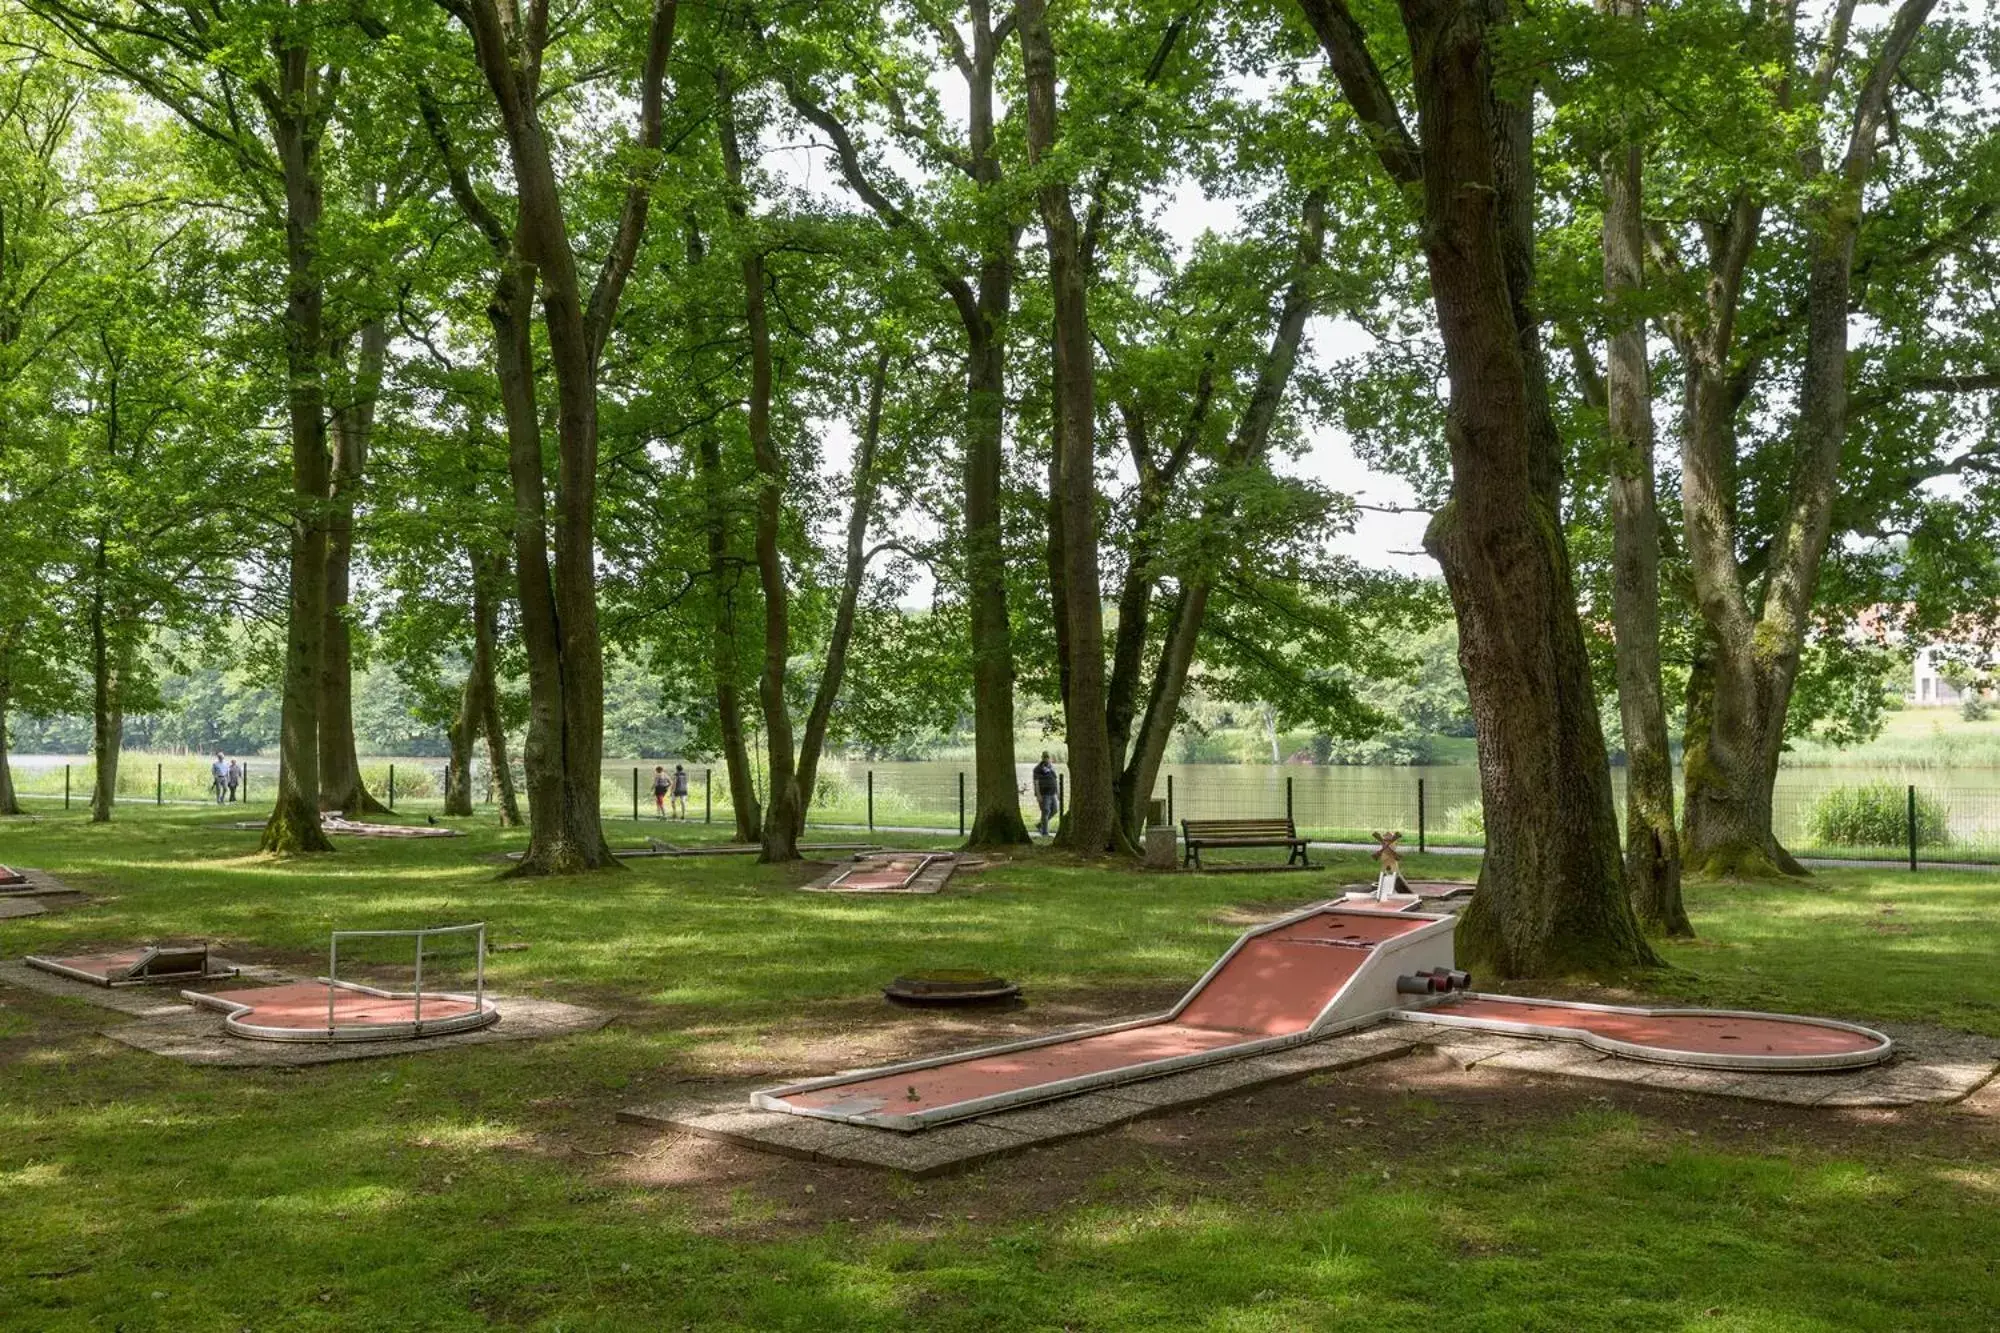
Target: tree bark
(1247, 448)
(982, 305)
(558, 580)
(1090, 825)
(722, 573)
(859, 514)
(1550, 898)
(353, 424)
(10, 800)
(461, 735)
(107, 704)
(488, 571)
(1736, 718)
(1652, 844)
(297, 122)
(783, 813)
(996, 815)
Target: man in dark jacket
(1045, 792)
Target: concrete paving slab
(1346, 1052)
(945, 1148)
(36, 883)
(196, 1037)
(1199, 1085)
(1068, 1117)
(1550, 1057)
(17, 907)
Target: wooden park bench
(1199, 833)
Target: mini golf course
(1328, 969)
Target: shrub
(1876, 814)
(1975, 708)
(1469, 817)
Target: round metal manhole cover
(950, 986)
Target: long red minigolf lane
(1274, 986)
(1673, 1032)
(302, 1005)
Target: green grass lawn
(489, 1186)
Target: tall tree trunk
(297, 124)
(859, 514)
(1737, 724)
(353, 423)
(564, 835)
(462, 734)
(107, 706)
(1550, 897)
(1652, 845)
(996, 813)
(723, 576)
(559, 579)
(1247, 448)
(10, 800)
(783, 813)
(1090, 823)
(488, 570)
(982, 305)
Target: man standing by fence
(218, 773)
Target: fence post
(871, 800)
(65, 786)
(1913, 826)
(708, 796)
(961, 802)
(1420, 814)
(635, 795)
(1061, 792)
(1288, 800)
(392, 785)
(159, 784)
(1170, 800)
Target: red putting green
(341, 1011)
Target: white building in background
(1928, 687)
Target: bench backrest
(1237, 828)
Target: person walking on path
(233, 775)
(680, 792)
(219, 775)
(659, 792)
(1045, 792)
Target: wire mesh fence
(1816, 814)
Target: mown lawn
(486, 1186)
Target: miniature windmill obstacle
(1390, 886)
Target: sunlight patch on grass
(339, 1202)
(472, 1136)
(36, 1175)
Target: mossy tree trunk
(1551, 898)
(352, 422)
(297, 109)
(1652, 842)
